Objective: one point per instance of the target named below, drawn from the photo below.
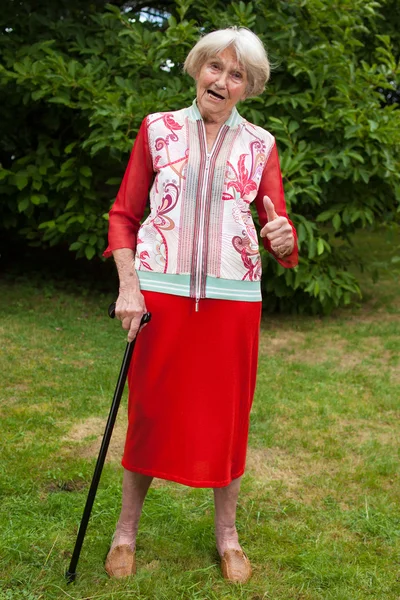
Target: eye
(214, 66)
(237, 75)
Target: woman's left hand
(278, 230)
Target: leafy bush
(76, 89)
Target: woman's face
(221, 83)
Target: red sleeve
(128, 208)
(271, 185)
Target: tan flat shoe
(235, 566)
(120, 562)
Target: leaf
(312, 247)
(326, 215)
(71, 202)
(320, 247)
(75, 246)
(89, 252)
(355, 155)
(84, 182)
(60, 99)
(37, 94)
(68, 149)
(336, 221)
(351, 131)
(23, 204)
(47, 225)
(364, 175)
(72, 68)
(373, 125)
(86, 171)
(20, 68)
(355, 215)
(21, 180)
(99, 146)
(39, 199)
(121, 82)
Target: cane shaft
(71, 573)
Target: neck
(214, 119)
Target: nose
(222, 80)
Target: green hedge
(74, 92)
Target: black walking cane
(71, 573)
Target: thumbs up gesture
(277, 230)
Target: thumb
(270, 209)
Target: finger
(283, 248)
(280, 247)
(134, 328)
(277, 241)
(119, 313)
(269, 208)
(273, 233)
(282, 251)
(126, 323)
(126, 311)
(280, 224)
(275, 225)
(276, 234)
(269, 228)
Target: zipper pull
(197, 306)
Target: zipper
(199, 275)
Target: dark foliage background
(76, 79)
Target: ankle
(125, 534)
(226, 538)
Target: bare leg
(134, 490)
(225, 501)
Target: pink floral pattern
(142, 257)
(162, 222)
(243, 180)
(248, 253)
(170, 122)
(243, 183)
(173, 126)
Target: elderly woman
(194, 263)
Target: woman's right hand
(129, 309)
(130, 305)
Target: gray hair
(249, 50)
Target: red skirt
(191, 387)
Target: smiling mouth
(215, 95)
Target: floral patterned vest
(200, 231)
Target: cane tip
(70, 577)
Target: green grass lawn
(319, 512)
